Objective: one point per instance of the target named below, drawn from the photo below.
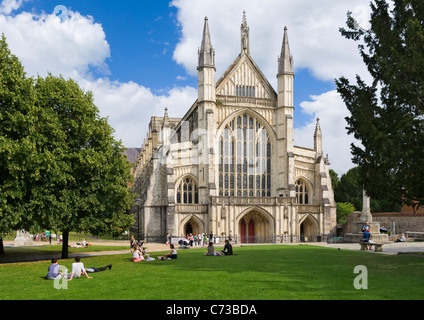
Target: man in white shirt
(78, 269)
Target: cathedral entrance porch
(191, 225)
(309, 230)
(255, 227)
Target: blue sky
(139, 57)
(138, 35)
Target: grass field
(261, 272)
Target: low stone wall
(394, 222)
(400, 222)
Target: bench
(378, 246)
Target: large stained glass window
(244, 159)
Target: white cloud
(7, 6)
(44, 44)
(77, 46)
(129, 106)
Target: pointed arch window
(302, 196)
(244, 159)
(187, 192)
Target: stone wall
(400, 221)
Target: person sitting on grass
(171, 255)
(144, 253)
(137, 255)
(54, 270)
(228, 249)
(77, 270)
(211, 250)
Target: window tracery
(302, 196)
(244, 159)
(187, 192)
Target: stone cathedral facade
(230, 166)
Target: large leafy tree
(387, 115)
(17, 146)
(60, 165)
(88, 174)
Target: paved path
(389, 248)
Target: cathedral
(229, 166)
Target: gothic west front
(230, 166)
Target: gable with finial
(243, 78)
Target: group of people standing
(45, 236)
(200, 239)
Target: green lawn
(273, 272)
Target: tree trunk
(65, 244)
(1, 247)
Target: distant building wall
(400, 221)
(394, 222)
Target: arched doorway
(188, 228)
(192, 226)
(308, 229)
(255, 227)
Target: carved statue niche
(223, 211)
